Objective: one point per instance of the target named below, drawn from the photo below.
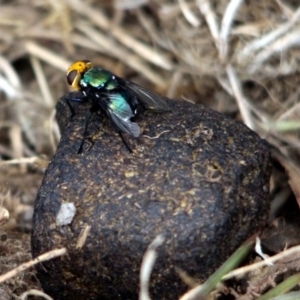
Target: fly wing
(125, 126)
(120, 113)
(149, 99)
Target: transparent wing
(125, 126)
(120, 113)
(149, 99)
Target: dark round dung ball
(195, 176)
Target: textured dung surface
(203, 183)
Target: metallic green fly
(120, 100)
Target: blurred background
(240, 58)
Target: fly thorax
(111, 84)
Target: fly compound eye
(73, 79)
(71, 76)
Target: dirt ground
(239, 58)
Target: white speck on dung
(66, 214)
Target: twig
(46, 256)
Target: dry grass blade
(211, 18)
(42, 81)
(242, 271)
(54, 132)
(83, 236)
(10, 73)
(239, 96)
(44, 257)
(265, 40)
(7, 88)
(221, 40)
(147, 266)
(281, 288)
(289, 40)
(226, 25)
(112, 48)
(16, 140)
(47, 55)
(288, 12)
(141, 49)
(129, 4)
(188, 13)
(34, 292)
(38, 161)
(202, 291)
(294, 176)
(4, 216)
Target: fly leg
(70, 107)
(124, 142)
(85, 128)
(74, 96)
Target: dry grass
(238, 57)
